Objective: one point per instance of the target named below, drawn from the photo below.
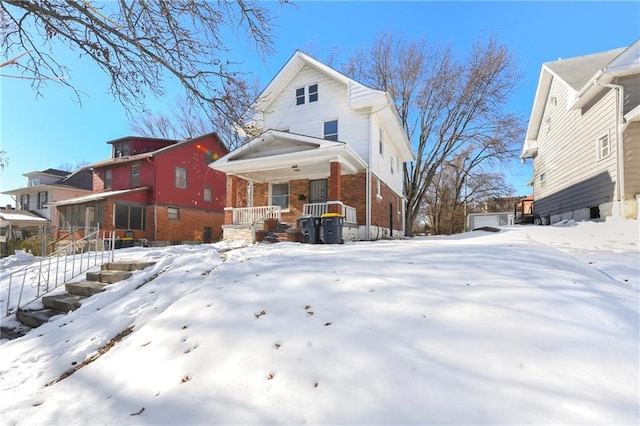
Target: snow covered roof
(21, 217)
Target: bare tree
(4, 160)
(72, 167)
(182, 120)
(446, 106)
(138, 44)
(454, 193)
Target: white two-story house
(323, 143)
(49, 186)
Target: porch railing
(28, 284)
(318, 209)
(251, 215)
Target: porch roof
(21, 218)
(96, 196)
(277, 155)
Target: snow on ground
(530, 325)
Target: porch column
(233, 182)
(335, 185)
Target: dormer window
(313, 93)
(300, 96)
(307, 94)
(121, 150)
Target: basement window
(173, 213)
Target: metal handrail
(71, 260)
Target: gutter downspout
(367, 226)
(620, 141)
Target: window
(43, 198)
(121, 150)
(135, 174)
(72, 216)
(604, 149)
(313, 93)
(378, 192)
(543, 180)
(391, 163)
(128, 216)
(331, 130)
(381, 142)
(34, 181)
(108, 179)
(300, 96)
(207, 194)
(181, 178)
(173, 213)
(280, 195)
(24, 202)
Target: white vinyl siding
(308, 120)
(568, 150)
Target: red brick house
(325, 144)
(158, 190)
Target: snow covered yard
(535, 325)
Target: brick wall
(190, 225)
(353, 190)
(380, 206)
(98, 182)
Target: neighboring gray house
(584, 137)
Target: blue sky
(47, 132)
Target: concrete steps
(76, 292)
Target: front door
(318, 191)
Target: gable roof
(359, 97)
(50, 172)
(577, 72)
(82, 179)
(583, 77)
(161, 151)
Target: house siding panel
(632, 160)
(631, 91)
(308, 119)
(568, 155)
(381, 164)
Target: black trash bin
(310, 226)
(332, 228)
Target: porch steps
(77, 292)
(33, 319)
(63, 302)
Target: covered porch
(283, 176)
